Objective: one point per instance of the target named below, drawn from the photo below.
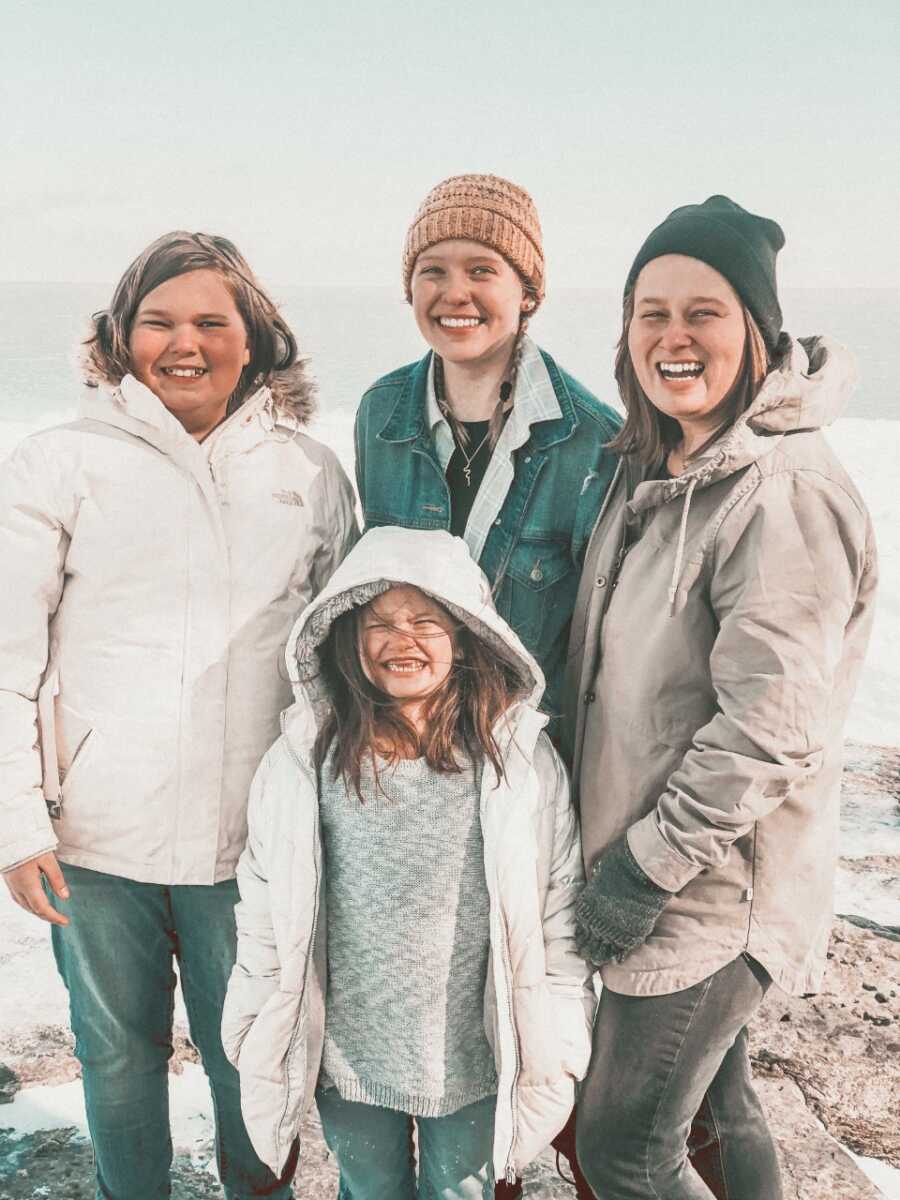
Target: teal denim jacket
(534, 553)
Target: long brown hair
(272, 344)
(459, 717)
(649, 434)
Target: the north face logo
(288, 498)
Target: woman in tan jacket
(721, 622)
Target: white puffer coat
(149, 584)
(538, 1002)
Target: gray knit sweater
(408, 936)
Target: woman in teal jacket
(486, 436)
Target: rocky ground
(827, 1068)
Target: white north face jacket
(148, 586)
(538, 1002)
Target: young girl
(155, 555)
(405, 939)
(486, 436)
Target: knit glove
(617, 908)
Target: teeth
(681, 368)
(404, 668)
(185, 372)
(459, 322)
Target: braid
(504, 401)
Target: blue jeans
(116, 961)
(372, 1147)
(656, 1061)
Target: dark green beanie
(736, 243)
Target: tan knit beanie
(480, 208)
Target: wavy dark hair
(272, 344)
(649, 434)
(460, 715)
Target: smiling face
(686, 342)
(188, 344)
(467, 301)
(406, 647)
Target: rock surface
(827, 1068)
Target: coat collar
(134, 408)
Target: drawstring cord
(679, 549)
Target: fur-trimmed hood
(135, 409)
(293, 390)
(433, 561)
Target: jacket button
(590, 697)
(528, 458)
(497, 522)
(601, 581)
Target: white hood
(433, 561)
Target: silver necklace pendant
(470, 458)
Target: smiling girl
(157, 551)
(486, 436)
(405, 934)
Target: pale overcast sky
(308, 133)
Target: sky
(309, 133)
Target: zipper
(310, 951)
(507, 972)
(186, 648)
(749, 893)
(514, 1098)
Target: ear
(246, 355)
(527, 304)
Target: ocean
(353, 335)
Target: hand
(25, 887)
(618, 907)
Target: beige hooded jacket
(710, 671)
(538, 1001)
(149, 584)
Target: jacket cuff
(656, 858)
(29, 842)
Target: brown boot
(705, 1153)
(564, 1145)
(508, 1191)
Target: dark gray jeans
(656, 1060)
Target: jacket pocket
(67, 742)
(82, 801)
(268, 1059)
(541, 583)
(75, 752)
(46, 724)
(540, 1042)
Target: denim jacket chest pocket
(538, 590)
(408, 489)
